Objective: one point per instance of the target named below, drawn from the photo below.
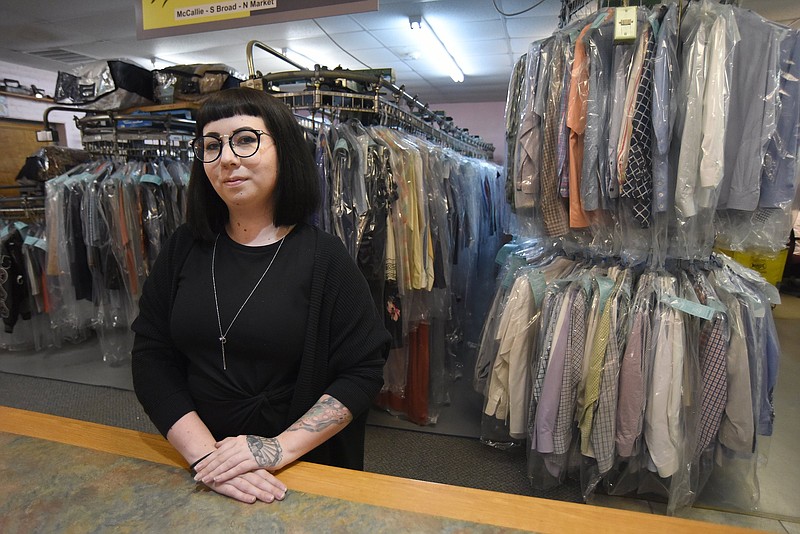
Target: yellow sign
(160, 14)
(162, 18)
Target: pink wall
(486, 119)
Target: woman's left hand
(238, 455)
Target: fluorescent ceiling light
(434, 45)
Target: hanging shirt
(594, 357)
(633, 375)
(628, 109)
(753, 316)
(710, 35)
(778, 185)
(573, 365)
(554, 213)
(751, 117)
(737, 429)
(637, 182)
(665, 82)
(772, 355)
(507, 396)
(576, 121)
(623, 55)
(551, 370)
(512, 116)
(562, 165)
(604, 424)
(663, 428)
(713, 356)
(594, 180)
(530, 136)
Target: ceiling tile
(526, 26)
(477, 31)
(377, 57)
(340, 24)
(299, 29)
(31, 37)
(460, 12)
(352, 41)
(487, 65)
(394, 37)
(389, 17)
(497, 46)
(520, 46)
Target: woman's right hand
(258, 485)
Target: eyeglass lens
(244, 144)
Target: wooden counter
(351, 499)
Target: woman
(257, 341)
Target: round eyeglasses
(244, 143)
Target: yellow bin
(770, 264)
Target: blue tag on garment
(504, 252)
(151, 179)
(538, 286)
(692, 308)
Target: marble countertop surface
(52, 487)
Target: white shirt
(508, 394)
(706, 89)
(737, 428)
(663, 431)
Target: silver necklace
(223, 335)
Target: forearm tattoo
(266, 451)
(323, 414)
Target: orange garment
(415, 399)
(576, 122)
(418, 374)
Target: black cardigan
(344, 351)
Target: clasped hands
(240, 468)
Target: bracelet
(199, 460)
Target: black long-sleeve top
(309, 328)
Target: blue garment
(665, 83)
(751, 111)
(594, 182)
(767, 350)
(780, 162)
(772, 354)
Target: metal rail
(254, 43)
(374, 83)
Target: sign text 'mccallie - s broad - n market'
(164, 18)
(222, 8)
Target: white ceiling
(484, 43)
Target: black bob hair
(297, 193)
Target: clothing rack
(569, 9)
(329, 93)
(28, 204)
(129, 134)
(136, 135)
(600, 188)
